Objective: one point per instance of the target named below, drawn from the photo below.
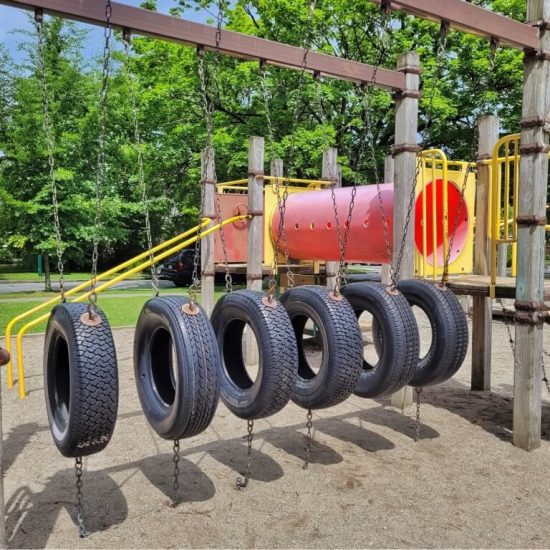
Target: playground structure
(438, 200)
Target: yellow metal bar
(424, 224)
(445, 220)
(514, 258)
(82, 286)
(109, 284)
(434, 225)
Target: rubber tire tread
(398, 349)
(440, 361)
(278, 354)
(198, 363)
(342, 365)
(461, 330)
(93, 402)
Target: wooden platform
(478, 285)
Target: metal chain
(282, 199)
(417, 425)
(101, 171)
(176, 473)
(79, 508)
(126, 39)
(309, 425)
(50, 145)
(469, 169)
(240, 482)
(440, 58)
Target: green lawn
(121, 311)
(14, 273)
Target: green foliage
(457, 89)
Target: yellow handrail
(82, 286)
(276, 179)
(108, 284)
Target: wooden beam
(406, 131)
(472, 19)
(166, 27)
(208, 171)
(483, 307)
(330, 172)
(532, 203)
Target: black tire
(446, 352)
(461, 331)
(341, 341)
(395, 338)
(176, 365)
(277, 350)
(80, 381)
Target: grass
(13, 273)
(121, 311)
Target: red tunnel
(311, 232)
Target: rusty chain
(82, 533)
(130, 76)
(50, 145)
(307, 448)
(176, 472)
(101, 171)
(241, 483)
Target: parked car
(179, 268)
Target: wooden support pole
(406, 129)
(389, 170)
(502, 264)
(3, 535)
(254, 264)
(208, 170)
(483, 307)
(330, 172)
(532, 205)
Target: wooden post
(389, 170)
(330, 172)
(405, 151)
(254, 264)
(502, 265)
(533, 183)
(208, 271)
(483, 307)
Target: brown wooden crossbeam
(472, 19)
(166, 27)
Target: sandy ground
(463, 485)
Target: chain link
(309, 425)
(79, 508)
(126, 39)
(418, 392)
(50, 146)
(101, 171)
(176, 472)
(240, 482)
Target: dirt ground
(369, 485)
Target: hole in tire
(373, 339)
(311, 346)
(425, 330)
(60, 384)
(163, 366)
(241, 354)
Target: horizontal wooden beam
(166, 27)
(472, 19)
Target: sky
(12, 19)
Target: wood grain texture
(208, 171)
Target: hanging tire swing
(395, 337)
(337, 331)
(449, 331)
(80, 380)
(176, 366)
(271, 389)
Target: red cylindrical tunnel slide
(311, 229)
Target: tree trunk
(47, 274)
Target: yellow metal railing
(432, 162)
(242, 184)
(112, 282)
(82, 286)
(504, 194)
